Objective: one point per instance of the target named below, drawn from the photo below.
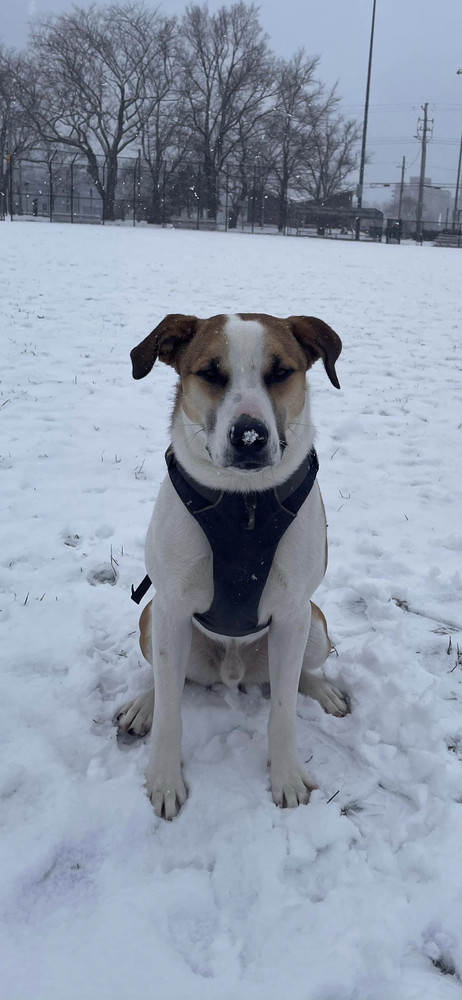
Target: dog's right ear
(165, 342)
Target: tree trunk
(110, 192)
(93, 170)
(237, 204)
(209, 194)
(3, 195)
(233, 216)
(155, 213)
(282, 204)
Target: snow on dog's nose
(248, 437)
(248, 432)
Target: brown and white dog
(241, 423)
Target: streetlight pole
(366, 115)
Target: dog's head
(242, 386)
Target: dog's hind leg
(317, 650)
(135, 717)
(319, 645)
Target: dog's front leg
(171, 644)
(286, 645)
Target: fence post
(138, 195)
(134, 192)
(103, 200)
(198, 198)
(226, 198)
(253, 197)
(72, 190)
(11, 164)
(164, 181)
(50, 188)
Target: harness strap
(142, 589)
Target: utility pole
(455, 214)
(401, 188)
(422, 131)
(366, 114)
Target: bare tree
(165, 139)
(16, 135)
(90, 92)
(248, 177)
(301, 105)
(333, 155)
(226, 82)
(99, 80)
(238, 183)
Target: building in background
(437, 202)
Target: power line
(434, 187)
(396, 140)
(399, 107)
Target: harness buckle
(250, 506)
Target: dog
(237, 541)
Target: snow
(249, 437)
(357, 895)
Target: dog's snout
(248, 434)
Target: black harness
(244, 531)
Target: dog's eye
(278, 374)
(212, 375)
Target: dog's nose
(248, 434)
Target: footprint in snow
(103, 573)
(72, 540)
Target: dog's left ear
(165, 343)
(318, 340)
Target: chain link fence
(438, 232)
(186, 195)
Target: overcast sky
(417, 52)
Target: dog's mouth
(250, 463)
(248, 466)
(253, 464)
(242, 465)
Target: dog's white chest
(178, 556)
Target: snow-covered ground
(356, 896)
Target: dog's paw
(329, 697)
(290, 786)
(135, 717)
(332, 700)
(167, 793)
